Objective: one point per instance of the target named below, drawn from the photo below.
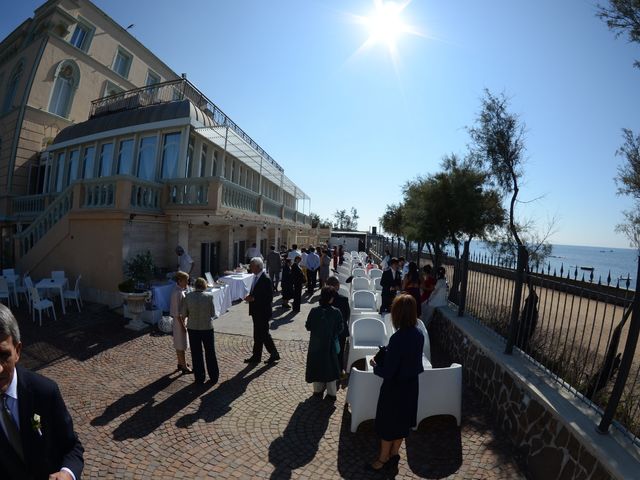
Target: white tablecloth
(162, 296)
(221, 299)
(239, 285)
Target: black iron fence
(581, 332)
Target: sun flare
(385, 25)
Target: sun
(385, 24)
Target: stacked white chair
(440, 392)
(360, 283)
(362, 396)
(74, 294)
(367, 334)
(40, 304)
(363, 301)
(375, 273)
(359, 272)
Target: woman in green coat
(325, 324)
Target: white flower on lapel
(36, 424)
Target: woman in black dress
(398, 401)
(286, 283)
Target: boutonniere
(36, 424)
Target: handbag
(379, 357)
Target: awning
(227, 139)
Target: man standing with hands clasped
(391, 283)
(36, 431)
(260, 298)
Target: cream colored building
(85, 185)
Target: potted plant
(139, 271)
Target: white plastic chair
(440, 392)
(375, 273)
(58, 274)
(367, 334)
(40, 304)
(426, 349)
(344, 291)
(21, 288)
(74, 294)
(4, 291)
(359, 272)
(360, 283)
(376, 284)
(358, 315)
(210, 281)
(8, 272)
(363, 300)
(362, 396)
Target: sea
(620, 263)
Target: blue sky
(351, 128)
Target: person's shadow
(218, 402)
(299, 442)
(132, 400)
(282, 320)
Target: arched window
(12, 87)
(66, 81)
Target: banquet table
(162, 297)
(52, 283)
(239, 285)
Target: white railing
(235, 196)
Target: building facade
(105, 152)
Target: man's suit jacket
(260, 308)
(55, 447)
(342, 303)
(389, 280)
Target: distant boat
(590, 269)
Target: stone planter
(135, 306)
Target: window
(215, 164)
(111, 89)
(59, 171)
(66, 81)
(189, 163)
(88, 162)
(12, 87)
(203, 161)
(72, 166)
(106, 159)
(122, 63)
(125, 157)
(147, 158)
(82, 36)
(170, 152)
(152, 78)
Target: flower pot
(135, 304)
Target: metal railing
(174, 90)
(54, 212)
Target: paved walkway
(138, 419)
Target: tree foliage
(623, 17)
(346, 221)
(628, 181)
(497, 141)
(317, 222)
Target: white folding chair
(209, 278)
(40, 304)
(367, 335)
(360, 283)
(362, 300)
(440, 392)
(362, 396)
(4, 291)
(74, 294)
(375, 273)
(359, 272)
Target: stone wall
(554, 438)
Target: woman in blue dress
(398, 401)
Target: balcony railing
(170, 91)
(235, 196)
(271, 208)
(30, 204)
(189, 191)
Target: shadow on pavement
(282, 320)
(218, 402)
(299, 442)
(435, 449)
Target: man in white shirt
(294, 253)
(313, 263)
(252, 251)
(185, 262)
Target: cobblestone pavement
(138, 419)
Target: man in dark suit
(260, 299)
(36, 431)
(391, 283)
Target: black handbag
(379, 357)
